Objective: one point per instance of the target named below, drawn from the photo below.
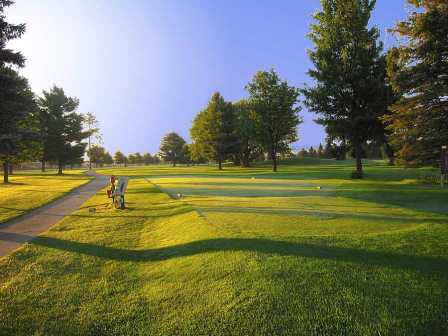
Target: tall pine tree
(418, 70)
(213, 131)
(172, 148)
(16, 98)
(350, 91)
(62, 129)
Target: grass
(30, 189)
(273, 255)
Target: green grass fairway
(241, 252)
(31, 189)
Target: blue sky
(145, 68)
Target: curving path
(41, 219)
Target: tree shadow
(414, 197)
(322, 213)
(424, 264)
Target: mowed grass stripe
(159, 268)
(29, 190)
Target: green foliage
(62, 128)
(17, 106)
(135, 158)
(99, 155)
(9, 32)
(18, 120)
(92, 125)
(119, 157)
(350, 94)
(147, 158)
(172, 148)
(418, 70)
(275, 112)
(213, 131)
(248, 148)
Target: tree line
(100, 157)
(369, 100)
(265, 122)
(364, 95)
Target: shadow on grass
(323, 214)
(364, 257)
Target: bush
(356, 175)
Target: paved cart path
(17, 231)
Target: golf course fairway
(305, 251)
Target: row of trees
(99, 157)
(265, 122)
(364, 96)
(46, 128)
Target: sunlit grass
(30, 189)
(274, 255)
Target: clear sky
(146, 67)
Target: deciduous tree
(276, 112)
(92, 125)
(119, 157)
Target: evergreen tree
(15, 95)
(62, 133)
(213, 131)
(349, 70)
(418, 70)
(276, 113)
(248, 148)
(9, 32)
(312, 152)
(18, 120)
(320, 151)
(172, 148)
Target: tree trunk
(5, 172)
(274, 161)
(358, 154)
(11, 169)
(90, 153)
(43, 166)
(219, 163)
(174, 163)
(390, 154)
(59, 168)
(245, 163)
